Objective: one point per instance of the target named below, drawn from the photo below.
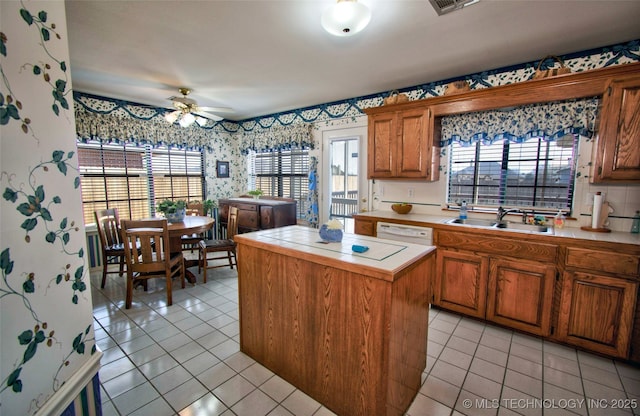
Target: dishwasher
(405, 233)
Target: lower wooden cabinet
(461, 282)
(520, 294)
(596, 312)
(511, 292)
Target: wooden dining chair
(226, 245)
(190, 241)
(108, 223)
(148, 255)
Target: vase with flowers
(174, 211)
(331, 231)
(255, 193)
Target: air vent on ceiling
(447, 6)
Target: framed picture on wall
(222, 169)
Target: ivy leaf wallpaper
(46, 326)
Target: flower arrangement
(256, 193)
(174, 211)
(334, 225)
(331, 231)
(170, 207)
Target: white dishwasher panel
(406, 233)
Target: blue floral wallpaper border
(579, 61)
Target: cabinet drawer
(364, 227)
(510, 247)
(246, 207)
(605, 261)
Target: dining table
(191, 224)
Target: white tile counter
(566, 232)
(386, 256)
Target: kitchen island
(349, 329)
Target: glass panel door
(343, 180)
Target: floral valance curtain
(155, 131)
(550, 121)
(297, 136)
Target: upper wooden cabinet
(402, 136)
(401, 145)
(617, 152)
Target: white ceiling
(266, 56)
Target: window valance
(111, 120)
(155, 131)
(296, 136)
(550, 121)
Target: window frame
(298, 181)
(540, 181)
(149, 201)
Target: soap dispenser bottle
(558, 221)
(635, 225)
(463, 211)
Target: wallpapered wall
(225, 140)
(46, 331)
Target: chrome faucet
(502, 212)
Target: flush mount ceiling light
(346, 18)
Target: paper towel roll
(597, 207)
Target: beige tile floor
(185, 359)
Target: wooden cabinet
(401, 145)
(598, 301)
(494, 278)
(258, 214)
(520, 294)
(364, 226)
(461, 282)
(351, 335)
(617, 152)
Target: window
(535, 174)
(281, 173)
(135, 178)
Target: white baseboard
(72, 388)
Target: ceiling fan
(187, 111)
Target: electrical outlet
(381, 190)
(411, 191)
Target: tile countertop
(566, 232)
(385, 256)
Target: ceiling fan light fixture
(346, 18)
(186, 120)
(172, 116)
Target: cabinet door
(461, 282)
(414, 144)
(520, 295)
(596, 312)
(618, 145)
(382, 140)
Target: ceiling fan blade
(209, 116)
(217, 109)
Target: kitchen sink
(508, 225)
(473, 222)
(502, 225)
